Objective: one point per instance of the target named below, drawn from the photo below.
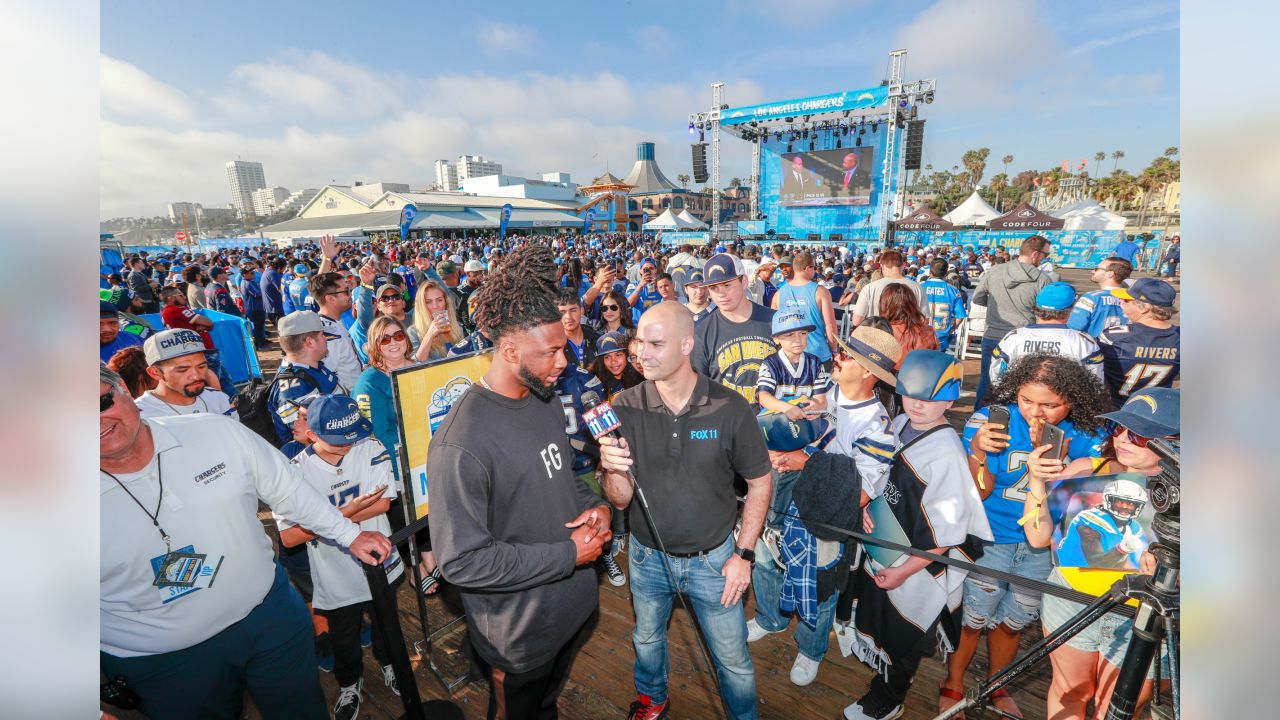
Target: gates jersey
(1092, 540)
(337, 576)
(1095, 312)
(569, 388)
(1136, 357)
(1009, 482)
(1045, 338)
(946, 304)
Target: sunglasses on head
(1120, 431)
(610, 307)
(106, 401)
(397, 336)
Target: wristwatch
(745, 554)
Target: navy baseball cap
(107, 310)
(694, 277)
(721, 268)
(336, 419)
(1151, 413)
(1055, 296)
(610, 342)
(788, 321)
(1152, 291)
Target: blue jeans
(766, 580)
(988, 345)
(725, 629)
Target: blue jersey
(1095, 312)
(475, 342)
(1009, 481)
(288, 392)
(945, 305)
(297, 296)
(791, 383)
(648, 296)
(1092, 541)
(1136, 357)
(573, 382)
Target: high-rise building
(178, 209)
(472, 166)
(266, 200)
(245, 177)
(446, 175)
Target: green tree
(1097, 158)
(1171, 151)
(1116, 155)
(975, 164)
(1006, 160)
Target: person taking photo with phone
(1041, 395)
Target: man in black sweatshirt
(512, 526)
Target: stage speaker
(835, 237)
(915, 144)
(700, 163)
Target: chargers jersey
(1136, 357)
(1099, 531)
(1095, 312)
(945, 304)
(790, 383)
(1004, 504)
(1045, 338)
(648, 296)
(572, 384)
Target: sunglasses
(610, 308)
(397, 336)
(106, 401)
(1120, 431)
(389, 298)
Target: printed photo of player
(1107, 535)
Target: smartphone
(1053, 436)
(1000, 416)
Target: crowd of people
(767, 397)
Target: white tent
(666, 221)
(690, 221)
(973, 211)
(1089, 215)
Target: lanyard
(155, 517)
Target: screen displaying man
(826, 177)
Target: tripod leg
(1172, 639)
(1148, 628)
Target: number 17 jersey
(1136, 357)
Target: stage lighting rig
(690, 127)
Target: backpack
(254, 405)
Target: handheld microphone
(599, 416)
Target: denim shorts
(989, 603)
(1108, 635)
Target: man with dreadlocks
(513, 527)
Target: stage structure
(822, 168)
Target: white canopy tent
(666, 221)
(1087, 214)
(690, 221)
(973, 211)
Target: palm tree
(683, 180)
(1006, 160)
(997, 186)
(1171, 151)
(1116, 155)
(1097, 158)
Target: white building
(446, 175)
(178, 209)
(266, 200)
(556, 186)
(472, 166)
(373, 191)
(297, 200)
(244, 177)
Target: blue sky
(325, 91)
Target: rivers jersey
(1136, 357)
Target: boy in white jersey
(354, 471)
(861, 432)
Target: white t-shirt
(213, 470)
(868, 304)
(338, 577)
(342, 358)
(862, 433)
(209, 402)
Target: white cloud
(319, 83)
(654, 40)
(497, 38)
(129, 92)
(1118, 38)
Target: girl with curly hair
(1039, 389)
(900, 306)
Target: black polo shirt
(686, 463)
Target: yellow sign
(423, 397)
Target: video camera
(1165, 493)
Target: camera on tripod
(1165, 493)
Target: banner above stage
(833, 102)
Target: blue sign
(833, 102)
(681, 238)
(407, 214)
(505, 218)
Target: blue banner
(1071, 248)
(833, 102)
(407, 214)
(681, 238)
(502, 222)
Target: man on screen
(854, 178)
(797, 179)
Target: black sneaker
(873, 707)
(348, 705)
(619, 543)
(616, 576)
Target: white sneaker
(804, 670)
(755, 631)
(872, 711)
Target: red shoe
(644, 709)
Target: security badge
(184, 570)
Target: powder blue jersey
(573, 382)
(945, 305)
(1004, 504)
(1102, 533)
(1096, 311)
